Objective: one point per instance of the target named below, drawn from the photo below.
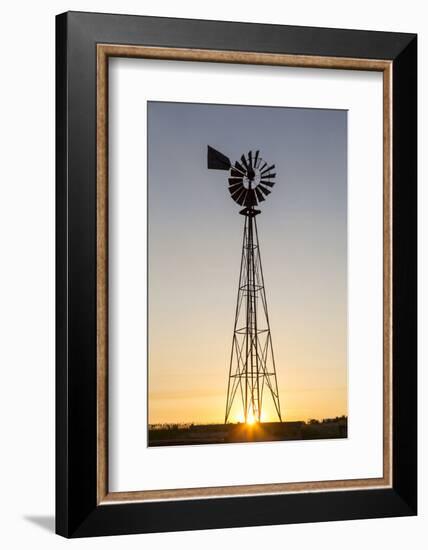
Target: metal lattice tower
(252, 371)
(252, 364)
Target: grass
(199, 434)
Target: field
(198, 434)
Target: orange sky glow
(195, 239)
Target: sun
(250, 419)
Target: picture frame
(84, 44)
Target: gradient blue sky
(195, 235)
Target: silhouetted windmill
(252, 364)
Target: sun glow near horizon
(185, 410)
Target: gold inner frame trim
(104, 51)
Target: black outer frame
(77, 513)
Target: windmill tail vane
(252, 370)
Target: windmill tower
(252, 372)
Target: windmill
(252, 371)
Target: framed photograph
(236, 274)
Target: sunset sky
(195, 238)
